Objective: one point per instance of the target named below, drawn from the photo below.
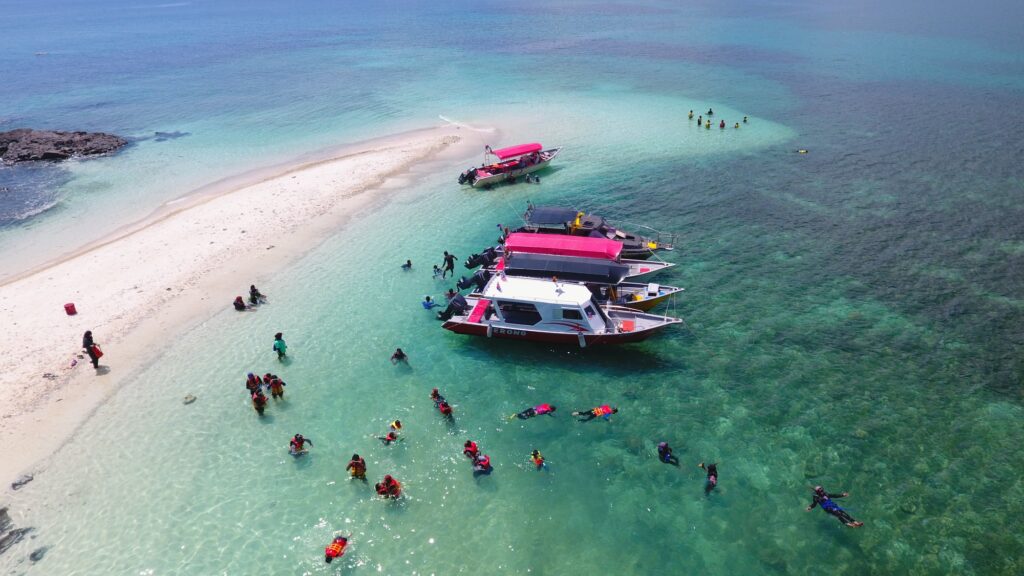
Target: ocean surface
(854, 315)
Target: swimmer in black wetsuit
(712, 481)
(665, 454)
(824, 499)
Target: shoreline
(172, 270)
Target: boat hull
(561, 338)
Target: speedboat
(579, 247)
(559, 220)
(550, 311)
(508, 164)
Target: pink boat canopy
(519, 150)
(560, 245)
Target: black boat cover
(549, 216)
(565, 268)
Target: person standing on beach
(91, 349)
(449, 265)
(280, 347)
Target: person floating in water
(437, 271)
(336, 549)
(605, 412)
(711, 112)
(280, 347)
(825, 500)
(276, 386)
(357, 467)
(690, 115)
(255, 297)
(537, 410)
(470, 449)
(239, 304)
(392, 435)
(449, 264)
(259, 402)
(407, 265)
(482, 465)
(297, 445)
(389, 487)
(538, 459)
(399, 356)
(665, 454)
(712, 481)
(428, 303)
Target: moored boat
(568, 221)
(579, 247)
(552, 312)
(508, 164)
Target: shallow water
(853, 319)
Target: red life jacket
(471, 450)
(337, 548)
(298, 444)
(445, 408)
(603, 410)
(484, 461)
(542, 409)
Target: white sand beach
(152, 279)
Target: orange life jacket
(337, 548)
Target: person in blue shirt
(428, 303)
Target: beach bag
(96, 351)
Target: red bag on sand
(96, 351)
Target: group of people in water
(255, 299)
(707, 123)
(390, 488)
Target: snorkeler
(665, 454)
(605, 412)
(298, 445)
(825, 500)
(407, 265)
(482, 465)
(399, 356)
(535, 411)
(389, 487)
(259, 402)
(388, 438)
(336, 549)
(537, 458)
(357, 467)
(712, 481)
(470, 449)
(280, 347)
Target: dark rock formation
(38, 554)
(9, 536)
(24, 144)
(25, 479)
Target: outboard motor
(484, 259)
(463, 283)
(458, 305)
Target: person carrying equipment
(824, 499)
(604, 411)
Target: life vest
(471, 450)
(337, 548)
(542, 409)
(484, 462)
(538, 459)
(445, 408)
(396, 425)
(276, 385)
(358, 467)
(603, 411)
(298, 444)
(394, 488)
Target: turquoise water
(853, 314)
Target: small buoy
(70, 309)
(189, 399)
(802, 151)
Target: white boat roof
(536, 290)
